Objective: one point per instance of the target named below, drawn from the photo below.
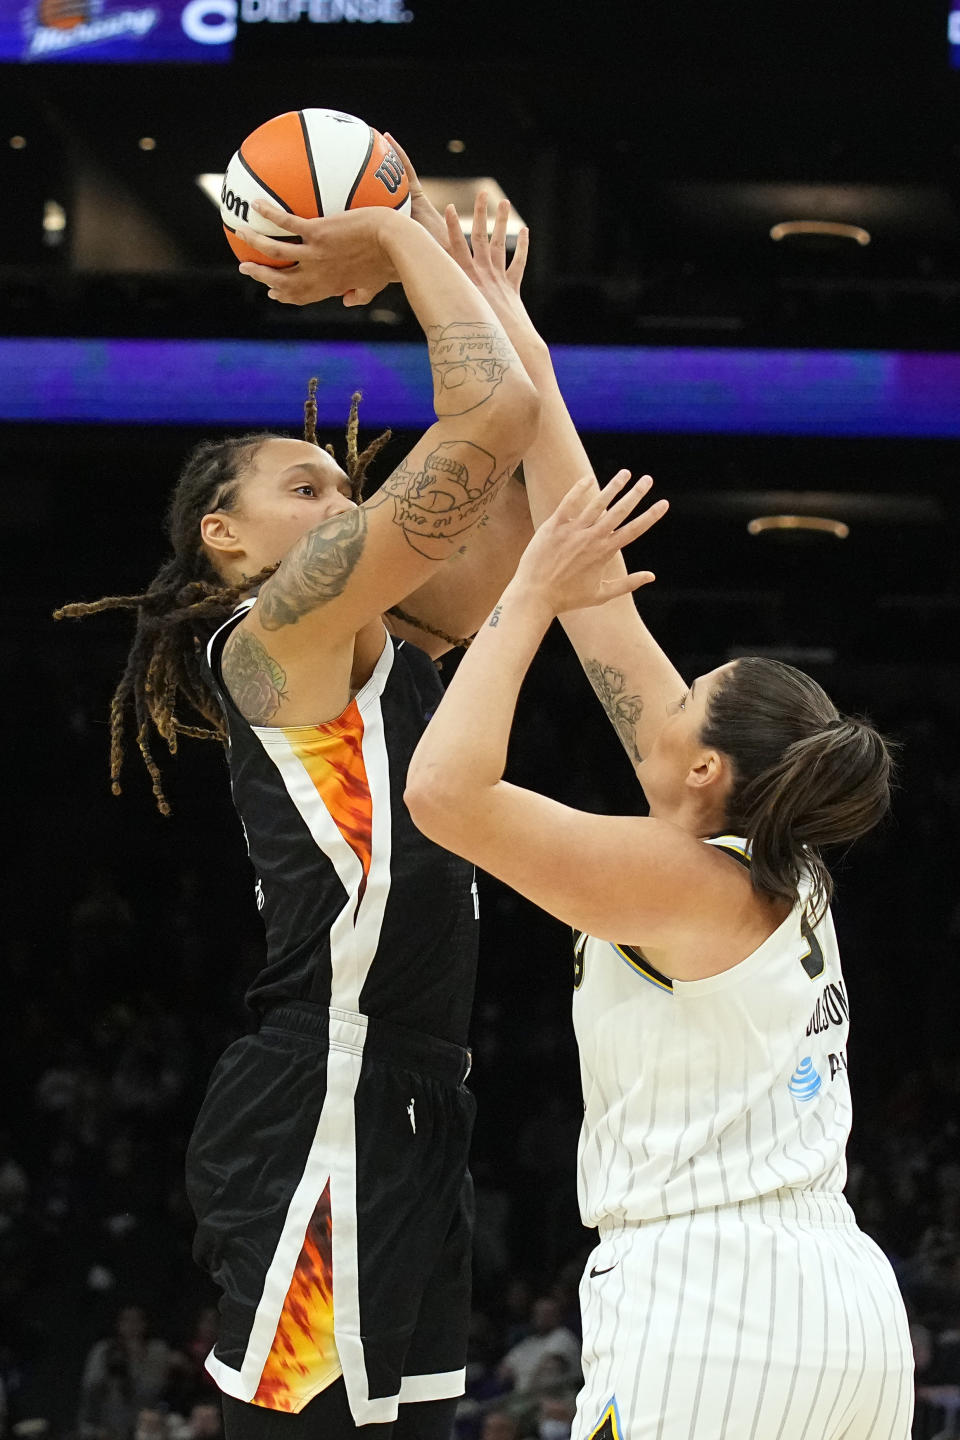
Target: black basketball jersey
(362, 912)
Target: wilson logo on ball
(390, 171)
(233, 203)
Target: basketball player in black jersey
(327, 1168)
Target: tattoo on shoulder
(450, 495)
(256, 682)
(623, 710)
(315, 571)
(468, 360)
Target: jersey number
(579, 943)
(812, 960)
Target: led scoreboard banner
(148, 31)
(145, 31)
(610, 389)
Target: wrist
(529, 602)
(399, 235)
(395, 234)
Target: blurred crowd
(131, 941)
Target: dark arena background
(662, 153)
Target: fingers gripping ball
(311, 163)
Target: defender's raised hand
(567, 563)
(487, 264)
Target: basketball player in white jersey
(731, 1294)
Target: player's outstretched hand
(487, 263)
(338, 255)
(422, 207)
(567, 561)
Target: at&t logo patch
(805, 1081)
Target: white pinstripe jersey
(706, 1092)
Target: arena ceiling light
(833, 229)
(819, 524)
(211, 184)
(444, 191)
(441, 190)
(899, 509)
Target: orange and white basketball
(310, 163)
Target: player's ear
(219, 533)
(710, 771)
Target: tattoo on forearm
(315, 571)
(623, 710)
(255, 680)
(451, 494)
(468, 360)
(494, 620)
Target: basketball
(310, 163)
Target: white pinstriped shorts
(771, 1319)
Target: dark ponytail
(805, 778)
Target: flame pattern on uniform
(332, 756)
(303, 1358)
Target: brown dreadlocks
(187, 599)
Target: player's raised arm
(634, 680)
(457, 599)
(352, 568)
(611, 876)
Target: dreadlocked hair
(186, 599)
(358, 461)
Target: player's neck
(690, 815)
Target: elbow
(432, 806)
(441, 810)
(416, 797)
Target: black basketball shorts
(328, 1174)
